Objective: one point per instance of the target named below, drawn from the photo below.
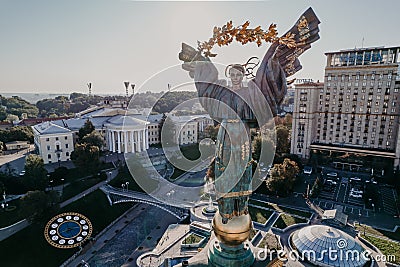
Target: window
(49, 156)
(67, 154)
(47, 139)
(48, 147)
(56, 138)
(66, 145)
(65, 137)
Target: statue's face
(236, 77)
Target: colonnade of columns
(127, 141)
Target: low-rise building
(53, 142)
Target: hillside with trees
(16, 106)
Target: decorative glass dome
(327, 246)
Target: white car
(22, 173)
(355, 191)
(331, 182)
(332, 174)
(355, 179)
(307, 170)
(355, 195)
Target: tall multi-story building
(305, 117)
(356, 110)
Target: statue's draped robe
(239, 110)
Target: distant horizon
(49, 45)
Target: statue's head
(236, 72)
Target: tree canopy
(35, 174)
(87, 128)
(86, 156)
(17, 106)
(93, 139)
(17, 133)
(39, 205)
(283, 177)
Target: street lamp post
(127, 184)
(4, 205)
(109, 175)
(123, 187)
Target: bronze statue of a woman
(238, 109)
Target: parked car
(22, 173)
(356, 179)
(331, 182)
(355, 195)
(355, 191)
(332, 174)
(307, 170)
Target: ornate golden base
(233, 233)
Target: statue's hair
(247, 69)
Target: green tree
(283, 177)
(266, 144)
(93, 139)
(17, 106)
(35, 174)
(86, 157)
(86, 129)
(3, 113)
(17, 133)
(12, 118)
(282, 140)
(38, 205)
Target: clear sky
(59, 46)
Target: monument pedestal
(231, 248)
(220, 255)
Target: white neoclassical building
(123, 131)
(53, 143)
(126, 134)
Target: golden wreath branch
(242, 34)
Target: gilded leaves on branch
(242, 34)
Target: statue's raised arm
(279, 62)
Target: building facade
(123, 131)
(356, 111)
(53, 143)
(305, 117)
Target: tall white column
(132, 143)
(119, 141)
(126, 142)
(147, 138)
(113, 141)
(138, 143)
(108, 140)
(144, 139)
